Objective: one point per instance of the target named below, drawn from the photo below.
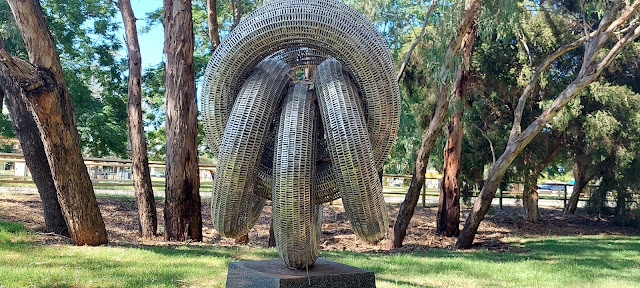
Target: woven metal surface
(350, 149)
(295, 213)
(235, 207)
(326, 25)
(300, 143)
(299, 58)
(324, 187)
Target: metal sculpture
(300, 143)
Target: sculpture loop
(325, 25)
(300, 142)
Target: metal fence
(115, 175)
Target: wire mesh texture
(235, 207)
(325, 25)
(295, 213)
(324, 186)
(350, 150)
(300, 143)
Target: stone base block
(273, 273)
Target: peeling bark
(33, 151)
(410, 201)
(45, 92)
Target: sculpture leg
(325, 186)
(350, 150)
(234, 206)
(295, 214)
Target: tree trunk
(272, 235)
(182, 215)
(417, 181)
(448, 217)
(212, 20)
(530, 195)
(36, 159)
(591, 69)
(140, 161)
(34, 155)
(236, 12)
(46, 94)
(580, 166)
(410, 201)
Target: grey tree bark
(182, 214)
(140, 162)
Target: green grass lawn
(592, 261)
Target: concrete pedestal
(273, 273)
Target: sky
(151, 42)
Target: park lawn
(590, 261)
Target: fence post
(424, 193)
(565, 196)
(500, 191)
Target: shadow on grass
(581, 259)
(234, 253)
(584, 258)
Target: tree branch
(212, 18)
(517, 113)
(493, 153)
(415, 42)
(590, 71)
(623, 42)
(468, 18)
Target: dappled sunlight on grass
(593, 261)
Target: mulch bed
(500, 230)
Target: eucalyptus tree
(85, 34)
(454, 48)
(24, 127)
(590, 150)
(86, 39)
(43, 86)
(147, 216)
(182, 214)
(618, 18)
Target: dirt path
(498, 232)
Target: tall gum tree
(34, 154)
(621, 19)
(140, 161)
(182, 214)
(454, 49)
(448, 216)
(44, 90)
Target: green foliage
(153, 78)
(610, 122)
(85, 34)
